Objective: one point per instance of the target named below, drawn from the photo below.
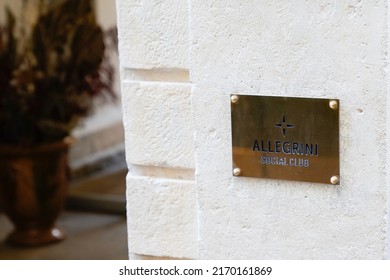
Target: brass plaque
(286, 138)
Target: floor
(94, 223)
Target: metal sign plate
(286, 138)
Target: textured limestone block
(153, 34)
(158, 124)
(329, 49)
(161, 217)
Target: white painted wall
(183, 201)
(100, 135)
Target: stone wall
(156, 94)
(181, 60)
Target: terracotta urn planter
(33, 186)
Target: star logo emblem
(284, 125)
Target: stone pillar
(317, 49)
(153, 42)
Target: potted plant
(49, 75)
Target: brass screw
(236, 171)
(234, 99)
(334, 180)
(333, 104)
